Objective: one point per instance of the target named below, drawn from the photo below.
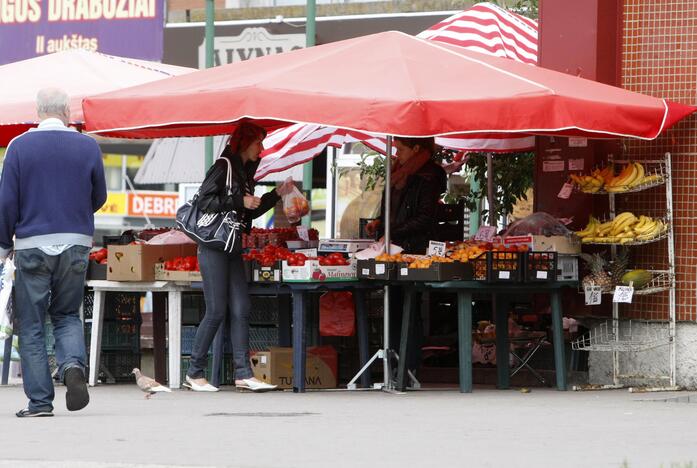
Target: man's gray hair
(52, 102)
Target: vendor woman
(417, 183)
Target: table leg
(299, 356)
(159, 335)
(363, 344)
(6, 361)
(501, 305)
(558, 337)
(407, 331)
(96, 335)
(174, 306)
(464, 327)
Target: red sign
(153, 204)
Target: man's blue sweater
(52, 183)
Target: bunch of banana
(588, 183)
(625, 228)
(632, 175)
(595, 181)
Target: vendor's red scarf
(401, 172)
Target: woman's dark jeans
(225, 291)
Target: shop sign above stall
(141, 204)
(250, 43)
(38, 27)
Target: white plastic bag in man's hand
(6, 282)
(295, 205)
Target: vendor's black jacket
(213, 196)
(414, 221)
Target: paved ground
(488, 428)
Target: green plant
(372, 172)
(529, 8)
(513, 175)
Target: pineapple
(598, 276)
(618, 267)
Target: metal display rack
(640, 335)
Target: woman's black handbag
(220, 231)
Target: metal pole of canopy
(307, 167)
(386, 304)
(210, 35)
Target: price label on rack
(303, 233)
(436, 248)
(594, 294)
(623, 294)
(565, 192)
(485, 233)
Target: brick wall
(659, 58)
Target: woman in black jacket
(417, 184)
(224, 284)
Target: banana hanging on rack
(640, 175)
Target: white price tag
(436, 248)
(404, 271)
(307, 252)
(366, 271)
(542, 275)
(594, 295)
(485, 233)
(623, 294)
(379, 268)
(303, 233)
(565, 192)
(504, 275)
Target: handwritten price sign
(436, 248)
(623, 294)
(594, 295)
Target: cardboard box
(136, 262)
(313, 271)
(559, 244)
(169, 275)
(275, 366)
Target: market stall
(488, 96)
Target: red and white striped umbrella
(484, 28)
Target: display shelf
(662, 281)
(652, 168)
(661, 236)
(638, 336)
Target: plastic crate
(438, 272)
(498, 267)
(121, 335)
(120, 364)
(370, 269)
(87, 304)
(264, 310)
(262, 338)
(228, 370)
(187, 338)
(186, 361)
(262, 274)
(122, 306)
(540, 267)
(567, 268)
(193, 308)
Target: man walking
(52, 183)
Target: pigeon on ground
(148, 385)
